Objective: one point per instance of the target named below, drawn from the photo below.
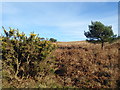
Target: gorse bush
(22, 54)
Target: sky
(64, 21)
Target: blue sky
(65, 21)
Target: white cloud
(10, 9)
(67, 22)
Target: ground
(77, 64)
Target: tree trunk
(17, 70)
(102, 45)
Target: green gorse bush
(22, 54)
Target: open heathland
(76, 64)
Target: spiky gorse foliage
(22, 54)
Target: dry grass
(85, 65)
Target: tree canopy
(98, 32)
(53, 40)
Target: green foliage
(53, 40)
(98, 32)
(22, 55)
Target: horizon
(64, 21)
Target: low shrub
(22, 54)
